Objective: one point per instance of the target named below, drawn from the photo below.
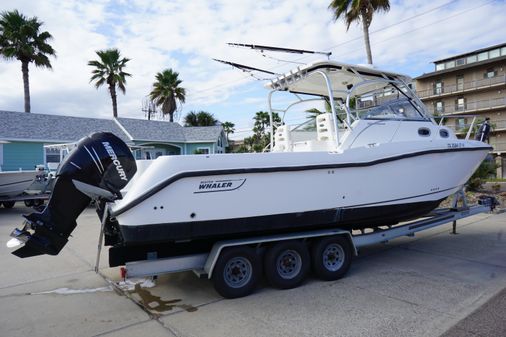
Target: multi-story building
(470, 85)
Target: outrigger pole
(279, 49)
(245, 68)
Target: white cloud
(186, 35)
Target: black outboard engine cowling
(99, 167)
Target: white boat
(13, 183)
(377, 158)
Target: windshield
(394, 109)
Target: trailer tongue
(101, 165)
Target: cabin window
(444, 133)
(425, 132)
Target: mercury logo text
(115, 160)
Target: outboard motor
(98, 168)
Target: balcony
(461, 129)
(498, 146)
(455, 89)
(470, 107)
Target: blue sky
(186, 35)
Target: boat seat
(325, 127)
(282, 139)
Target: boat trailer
(204, 264)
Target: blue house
(24, 136)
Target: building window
(460, 123)
(438, 87)
(494, 53)
(471, 59)
(460, 82)
(460, 62)
(491, 72)
(460, 104)
(503, 51)
(439, 106)
(450, 64)
(440, 66)
(483, 56)
(203, 150)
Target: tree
(261, 136)
(167, 92)
(201, 118)
(21, 39)
(359, 11)
(228, 128)
(110, 70)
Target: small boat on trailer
(375, 159)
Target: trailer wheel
(236, 272)
(286, 264)
(331, 257)
(8, 204)
(38, 202)
(29, 203)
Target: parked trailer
(30, 200)
(236, 266)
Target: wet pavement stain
(155, 303)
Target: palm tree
(167, 92)
(201, 118)
(359, 11)
(110, 70)
(228, 128)
(21, 39)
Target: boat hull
(341, 191)
(14, 183)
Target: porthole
(444, 133)
(425, 132)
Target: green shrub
(485, 170)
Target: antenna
(148, 107)
(279, 49)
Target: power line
(427, 25)
(346, 42)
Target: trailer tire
(237, 272)
(287, 264)
(38, 202)
(331, 257)
(29, 203)
(8, 204)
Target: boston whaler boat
(377, 159)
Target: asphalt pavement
(433, 284)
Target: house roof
(64, 129)
(202, 133)
(53, 128)
(141, 129)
